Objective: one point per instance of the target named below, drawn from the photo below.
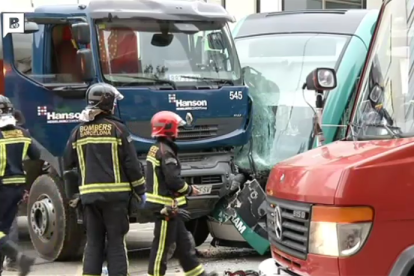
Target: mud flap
(247, 211)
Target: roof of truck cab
(307, 21)
(158, 9)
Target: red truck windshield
(387, 90)
(133, 50)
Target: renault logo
(189, 118)
(278, 222)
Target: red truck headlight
(339, 231)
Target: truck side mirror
(30, 27)
(81, 33)
(321, 79)
(85, 64)
(215, 41)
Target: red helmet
(165, 124)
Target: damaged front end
(240, 218)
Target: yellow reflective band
(138, 182)
(14, 180)
(153, 160)
(184, 188)
(104, 188)
(161, 248)
(163, 200)
(97, 140)
(2, 235)
(115, 163)
(25, 149)
(196, 271)
(15, 140)
(81, 161)
(3, 159)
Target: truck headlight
(339, 231)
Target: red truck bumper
(313, 265)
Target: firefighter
(101, 148)
(166, 196)
(15, 145)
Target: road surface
(138, 241)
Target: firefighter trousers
(10, 196)
(166, 233)
(106, 222)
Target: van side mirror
(30, 27)
(321, 79)
(215, 41)
(81, 33)
(85, 64)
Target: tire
(59, 237)
(199, 229)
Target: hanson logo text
(187, 104)
(58, 117)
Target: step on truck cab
(346, 208)
(279, 50)
(161, 55)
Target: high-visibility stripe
(184, 188)
(153, 160)
(138, 182)
(104, 188)
(81, 161)
(15, 140)
(3, 159)
(163, 200)
(2, 235)
(97, 140)
(25, 149)
(115, 163)
(195, 271)
(155, 163)
(161, 247)
(14, 180)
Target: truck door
(40, 81)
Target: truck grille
(288, 226)
(204, 180)
(197, 132)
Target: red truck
(347, 208)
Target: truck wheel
(53, 226)
(199, 229)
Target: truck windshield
(140, 52)
(385, 107)
(279, 65)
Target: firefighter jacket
(15, 144)
(106, 159)
(163, 174)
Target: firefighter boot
(23, 262)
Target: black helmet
(6, 112)
(101, 96)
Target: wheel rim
(43, 218)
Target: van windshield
(385, 106)
(277, 66)
(136, 51)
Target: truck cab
(336, 209)
(278, 51)
(161, 55)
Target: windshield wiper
(395, 132)
(154, 79)
(223, 81)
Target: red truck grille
(288, 225)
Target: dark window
(258, 3)
(289, 5)
(294, 5)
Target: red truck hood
(315, 175)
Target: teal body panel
(347, 78)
